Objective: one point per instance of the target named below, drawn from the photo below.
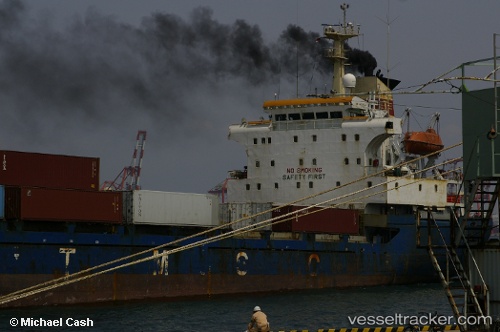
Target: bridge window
(336, 115)
(280, 117)
(308, 116)
(322, 115)
(294, 116)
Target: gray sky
(81, 77)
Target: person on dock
(259, 322)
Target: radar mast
(339, 34)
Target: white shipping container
(167, 208)
(230, 212)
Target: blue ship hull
(228, 266)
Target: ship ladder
(479, 205)
(454, 278)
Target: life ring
(241, 260)
(311, 258)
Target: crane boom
(129, 177)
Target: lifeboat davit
(422, 142)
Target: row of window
(296, 139)
(262, 140)
(298, 184)
(308, 116)
(314, 162)
(276, 185)
(311, 185)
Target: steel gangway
(448, 255)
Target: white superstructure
(315, 144)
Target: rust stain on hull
(128, 287)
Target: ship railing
(307, 124)
(347, 30)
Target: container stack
(40, 187)
(49, 187)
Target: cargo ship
(329, 198)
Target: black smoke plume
(98, 76)
(100, 64)
(361, 61)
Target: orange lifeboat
(422, 142)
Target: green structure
(481, 144)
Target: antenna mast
(337, 54)
(388, 22)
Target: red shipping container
(318, 220)
(49, 170)
(63, 205)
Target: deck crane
(129, 177)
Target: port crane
(129, 177)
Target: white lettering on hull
(162, 263)
(67, 252)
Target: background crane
(129, 177)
